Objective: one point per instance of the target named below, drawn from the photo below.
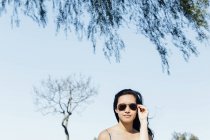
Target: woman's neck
(128, 127)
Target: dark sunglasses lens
(121, 107)
(133, 106)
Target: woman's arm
(144, 135)
(143, 114)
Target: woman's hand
(142, 112)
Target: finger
(142, 108)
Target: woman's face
(126, 114)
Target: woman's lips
(127, 116)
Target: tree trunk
(64, 125)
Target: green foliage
(158, 20)
(196, 11)
(184, 136)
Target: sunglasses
(122, 107)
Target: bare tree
(63, 96)
(184, 136)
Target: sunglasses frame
(123, 106)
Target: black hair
(139, 100)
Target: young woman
(132, 117)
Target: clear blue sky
(179, 102)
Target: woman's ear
(116, 110)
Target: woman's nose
(127, 109)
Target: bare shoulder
(103, 135)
